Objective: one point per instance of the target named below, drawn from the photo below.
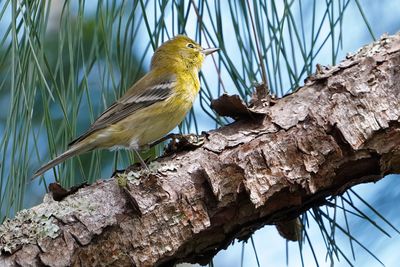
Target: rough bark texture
(342, 128)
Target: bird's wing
(142, 94)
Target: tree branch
(342, 128)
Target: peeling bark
(340, 129)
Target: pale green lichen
(166, 167)
(121, 179)
(133, 176)
(41, 222)
(27, 227)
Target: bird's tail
(76, 149)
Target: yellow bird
(151, 108)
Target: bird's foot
(184, 142)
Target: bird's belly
(154, 122)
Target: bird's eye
(190, 45)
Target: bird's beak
(208, 51)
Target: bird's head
(181, 50)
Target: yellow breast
(157, 120)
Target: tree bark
(340, 129)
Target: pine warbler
(151, 108)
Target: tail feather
(76, 149)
